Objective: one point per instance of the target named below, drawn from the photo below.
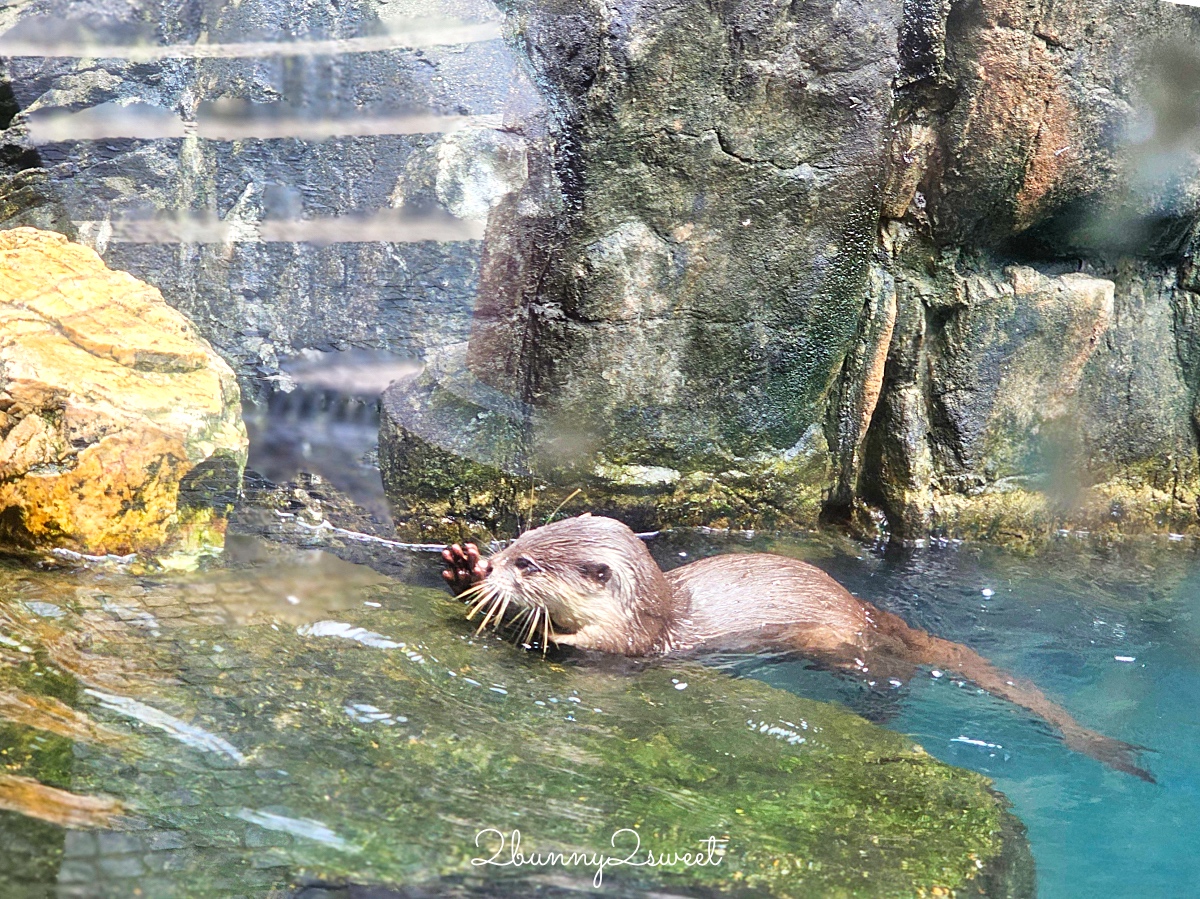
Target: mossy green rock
(1011, 401)
(330, 738)
(459, 461)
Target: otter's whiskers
(498, 608)
(493, 602)
(483, 596)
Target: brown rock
(1043, 127)
(110, 399)
(61, 807)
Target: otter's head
(586, 582)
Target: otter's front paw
(466, 569)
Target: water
(269, 699)
(286, 719)
(1112, 634)
(327, 424)
(279, 718)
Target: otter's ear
(597, 571)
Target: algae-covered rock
(461, 460)
(690, 282)
(1014, 401)
(301, 718)
(121, 427)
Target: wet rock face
(306, 178)
(956, 237)
(726, 173)
(1070, 129)
(981, 387)
(673, 286)
(1014, 400)
(662, 233)
(120, 425)
(435, 734)
(1033, 296)
(716, 224)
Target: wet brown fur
(591, 583)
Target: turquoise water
(1061, 619)
(285, 719)
(314, 725)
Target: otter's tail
(929, 650)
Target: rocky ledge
(120, 427)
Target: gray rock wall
(1042, 188)
(717, 221)
(928, 262)
(290, 177)
(1017, 399)
(956, 236)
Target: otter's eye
(526, 565)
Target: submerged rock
(342, 725)
(120, 427)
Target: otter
(590, 583)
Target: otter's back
(748, 600)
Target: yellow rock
(108, 400)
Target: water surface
(285, 717)
(1111, 633)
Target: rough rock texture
(1031, 298)
(744, 251)
(118, 423)
(666, 299)
(716, 230)
(1015, 401)
(290, 177)
(1073, 125)
(457, 463)
(938, 255)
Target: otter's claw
(466, 569)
